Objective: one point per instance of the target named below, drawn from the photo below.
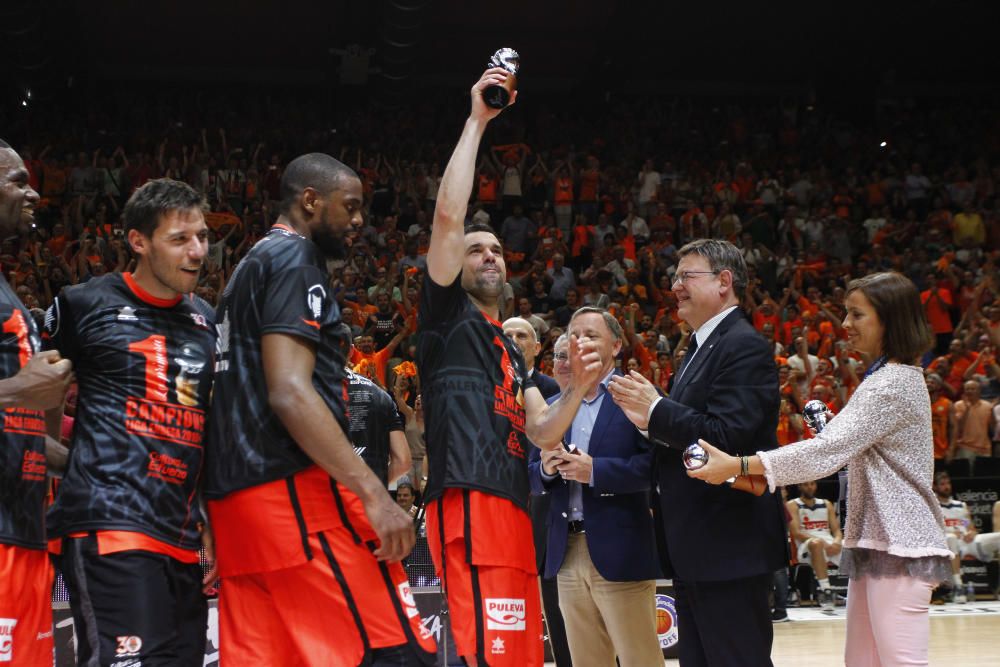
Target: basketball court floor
(962, 635)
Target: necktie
(689, 355)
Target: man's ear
(138, 241)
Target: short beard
(331, 245)
(482, 291)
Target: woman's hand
(720, 466)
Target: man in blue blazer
(600, 533)
(719, 545)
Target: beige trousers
(606, 618)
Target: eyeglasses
(684, 276)
(560, 356)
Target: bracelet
(744, 465)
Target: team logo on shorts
(505, 614)
(128, 645)
(666, 620)
(314, 299)
(409, 604)
(7, 639)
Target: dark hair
(721, 256)
(480, 227)
(897, 304)
(156, 198)
(318, 171)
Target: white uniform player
(816, 531)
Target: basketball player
(305, 529)
(483, 412)
(818, 540)
(960, 531)
(126, 523)
(376, 428)
(30, 382)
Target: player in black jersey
(293, 508)
(483, 412)
(31, 382)
(376, 428)
(126, 517)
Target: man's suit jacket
(729, 396)
(619, 529)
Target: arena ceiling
(564, 43)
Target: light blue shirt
(580, 432)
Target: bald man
(525, 337)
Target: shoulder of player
(92, 291)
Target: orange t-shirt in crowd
(940, 413)
(487, 189)
(563, 191)
(937, 310)
(588, 186)
(379, 358)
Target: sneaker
(779, 616)
(958, 597)
(826, 600)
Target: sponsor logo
(129, 662)
(514, 447)
(496, 648)
(33, 465)
(127, 314)
(666, 621)
(406, 597)
(43, 635)
(505, 614)
(199, 320)
(128, 645)
(360, 450)
(314, 299)
(7, 639)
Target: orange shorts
(332, 605)
(25, 606)
(494, 608)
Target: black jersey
(144, 369)
(372, 415)
(279, 287)
(22, 436)
(473, 380)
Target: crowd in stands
(592, 206)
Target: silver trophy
(498, 97)
(695, 457)
(815, 415)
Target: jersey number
(154, 349)
(16, 325)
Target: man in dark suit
(525, 337)
(719, 545)
(600, 535)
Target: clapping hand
(634, 394)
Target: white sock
(824, 584)
(957, 579)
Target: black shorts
(134, 607)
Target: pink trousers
(887, 622)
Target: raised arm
(444, 258)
